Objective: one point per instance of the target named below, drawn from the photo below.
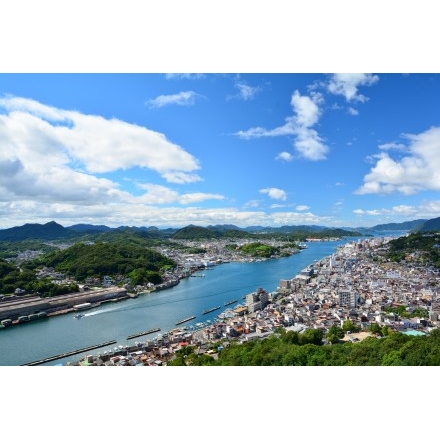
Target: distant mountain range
(55, 231)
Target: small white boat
(79, 315)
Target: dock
(70, 353)
(185, 320)
(136, 335)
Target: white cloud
(158, 194)
(251, 204)
(274, 193)
(43, 146)
(183, 98)
(138, 214)
(352, 111)
(419, 170)
(302, 208)
(292, 218)
(307, 112)
(285, 156)
(347, 84)
(245, 92)
(399, 213)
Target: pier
(70, 353)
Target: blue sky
(170, 150)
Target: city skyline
(168, 150)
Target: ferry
(185, 320)
(210, 310)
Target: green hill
(192, 232)
(82, 260)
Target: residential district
(355, 283)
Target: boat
(210, 310)
(153, 330)
(185, 320)
(302, 246)
(23, 318)
(79, 315)
(231, 302)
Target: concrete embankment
(70, 353)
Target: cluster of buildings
(356, 283)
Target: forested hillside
(306, 349)
(129, 260)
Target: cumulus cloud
(285, 156)
(417, 171)
(306, 113)
(42, 146)
(183, 98)
(347, 84)
(302, 208)
(274, 193)
(352, 111)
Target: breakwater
(148, 332)
(70, 353)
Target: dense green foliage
(12, 278)
(259, 250)
(421, 247)
(289, 348)
(99, 259)
(10, 249)
(192, 232)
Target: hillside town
(356, 283)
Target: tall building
(347, 298)
(257, 300)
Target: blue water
(31, 341)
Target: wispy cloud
(245, 92)
(415, 172)
(158, 194)
(302, 208)
(183, 98)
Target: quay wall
(9, 310)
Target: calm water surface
(36, 340)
